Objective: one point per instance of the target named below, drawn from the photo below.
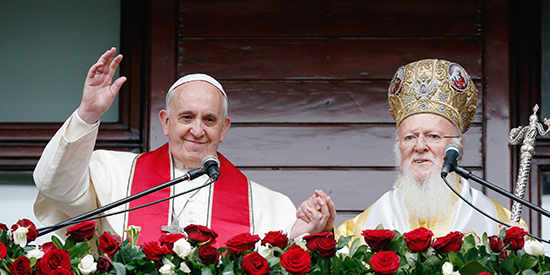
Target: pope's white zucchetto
(195, 77)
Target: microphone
(210, 165)
(453, 152)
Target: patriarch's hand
(316, 214)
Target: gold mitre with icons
(433, 86)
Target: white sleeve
(61, 174)
(273, 211)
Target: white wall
(16, 202)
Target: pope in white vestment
(73, 179)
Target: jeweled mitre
(433, 86)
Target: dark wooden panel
(324, 146)
(21, 151)
(496, 73)
(350, 190)
(322, 59)
(312, 102)
(162, 63)
(534, 194)
(299, 185)
(17, 164)
(42, 136)
(329, 18)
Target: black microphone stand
(483, 213)
(467, 174)
(187, 176)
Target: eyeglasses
(428, 139)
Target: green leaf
(411, 257)
(4, 237)
(472, 254)
(57, 242)
(502, 233)
(454, 259)
(69, 243)
(529, 272)
(79, 250)
(127, 253)
(206, 271)
(119, 269)
(229, 267)
(336, 262)
(471, 268)
(433, 261)
(396, 243)
(273, 261)
(349, 263)
(469, 243)
(343, 241)
(509, 265)
(33, 261)
(354, 246)
(527, 262)
(484, 251)
(419, 267)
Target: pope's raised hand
(99, 89)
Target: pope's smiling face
(195, 124)
(422, 141)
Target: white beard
(430, 198)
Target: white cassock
(73, 179)
(392, 214)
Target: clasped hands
(316, 214)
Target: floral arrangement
(196, 252)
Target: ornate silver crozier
(528, 134)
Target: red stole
(229, 214)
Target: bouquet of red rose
(380, 251)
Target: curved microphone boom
(453, 152)
(211, 166)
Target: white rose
(20, 236)
(266, 252)
(87, 265)
(166, 270)
(185, 268)
(344, 251)
(35, 253)
(534, 247)
(447, 268)
(182, 248)
(301, 242)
